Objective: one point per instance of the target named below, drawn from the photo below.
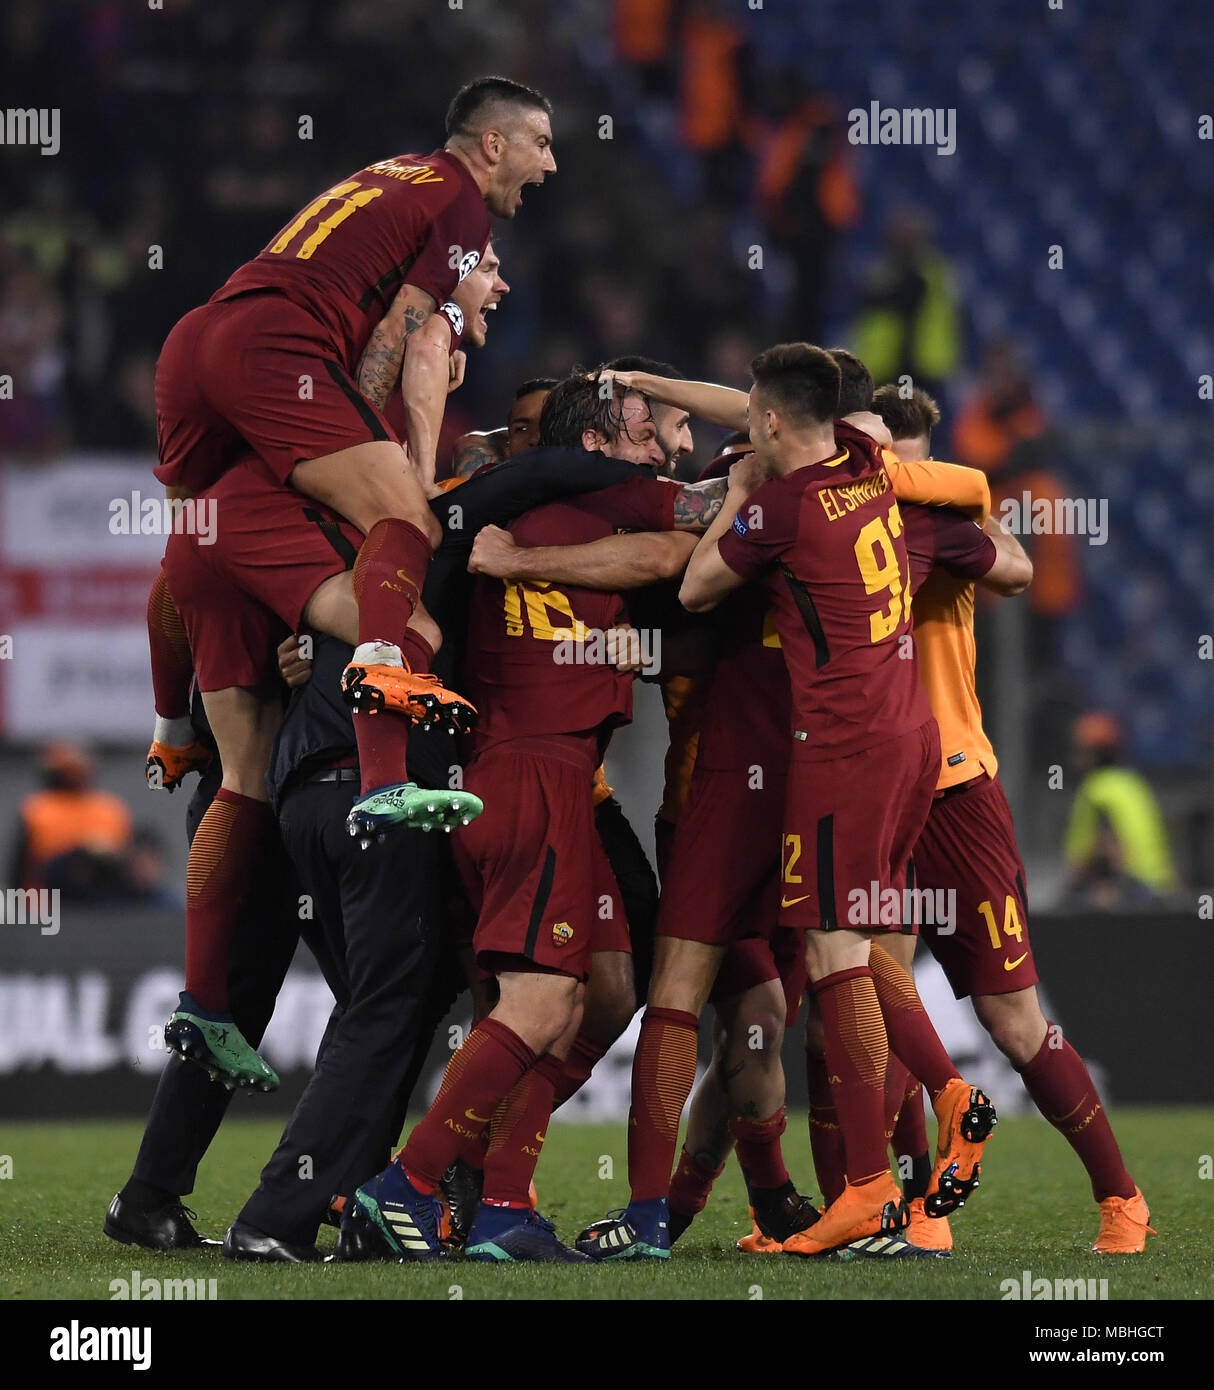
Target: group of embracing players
(460, 653)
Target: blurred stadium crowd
(708, 203)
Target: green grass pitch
(1033, 1211)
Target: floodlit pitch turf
(1033, 1211)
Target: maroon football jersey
(745, 717)
(414, 219)
(527, 667)
(829, 540)
(944, 538)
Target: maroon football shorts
(849, 827)
(233, 638)
(255, 372)
(721, 884)
(968, 847)
(239, 596)
(532, 863)
(788, 951)
(778, 955)
(717, 888)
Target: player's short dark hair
(535, 383)
(635, 362)
(734, 441)
(801, 380)
(906, 417)
(856, 384)
(576, 405)
(473, 98)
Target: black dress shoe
(247, 1243)
(166, 1228)
(357, 1242)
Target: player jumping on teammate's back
(274, 563)
(354, 295)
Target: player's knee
(683, 976)
(381, 485)
(609, 1012)
(1016, 1025)
(558, 1021)
(763, 1034)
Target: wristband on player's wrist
(454, 315)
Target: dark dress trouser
(188, 1106)
(379, 911)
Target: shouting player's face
(525, 156)
(489, 276)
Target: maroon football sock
(584, 1055)
(418, 653)
(909, 1140)
(225, 848)
(911, 1034)
(856, 1056)
(388, 576)
(825, 1136)
(517, 1133)
(169, 647)
(481, 1074)
(663, 1073)
(895, 1090)
(383, 739)
(758, 1149)
(690, 1185)
(1062, 1089)
(472, 1148)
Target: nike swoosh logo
(1012, 964)
(792, 902)
(478, 1119)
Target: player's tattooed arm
(477, 448)
(709, 579)
(699, 504)
(426, 375)
(379, 367)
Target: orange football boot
(966, 1118)
(167, 766)
(444, 1220)
(417, 695)
(857, 1211)
(1123, 1225)
(756, 1243)
(926, 1233)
